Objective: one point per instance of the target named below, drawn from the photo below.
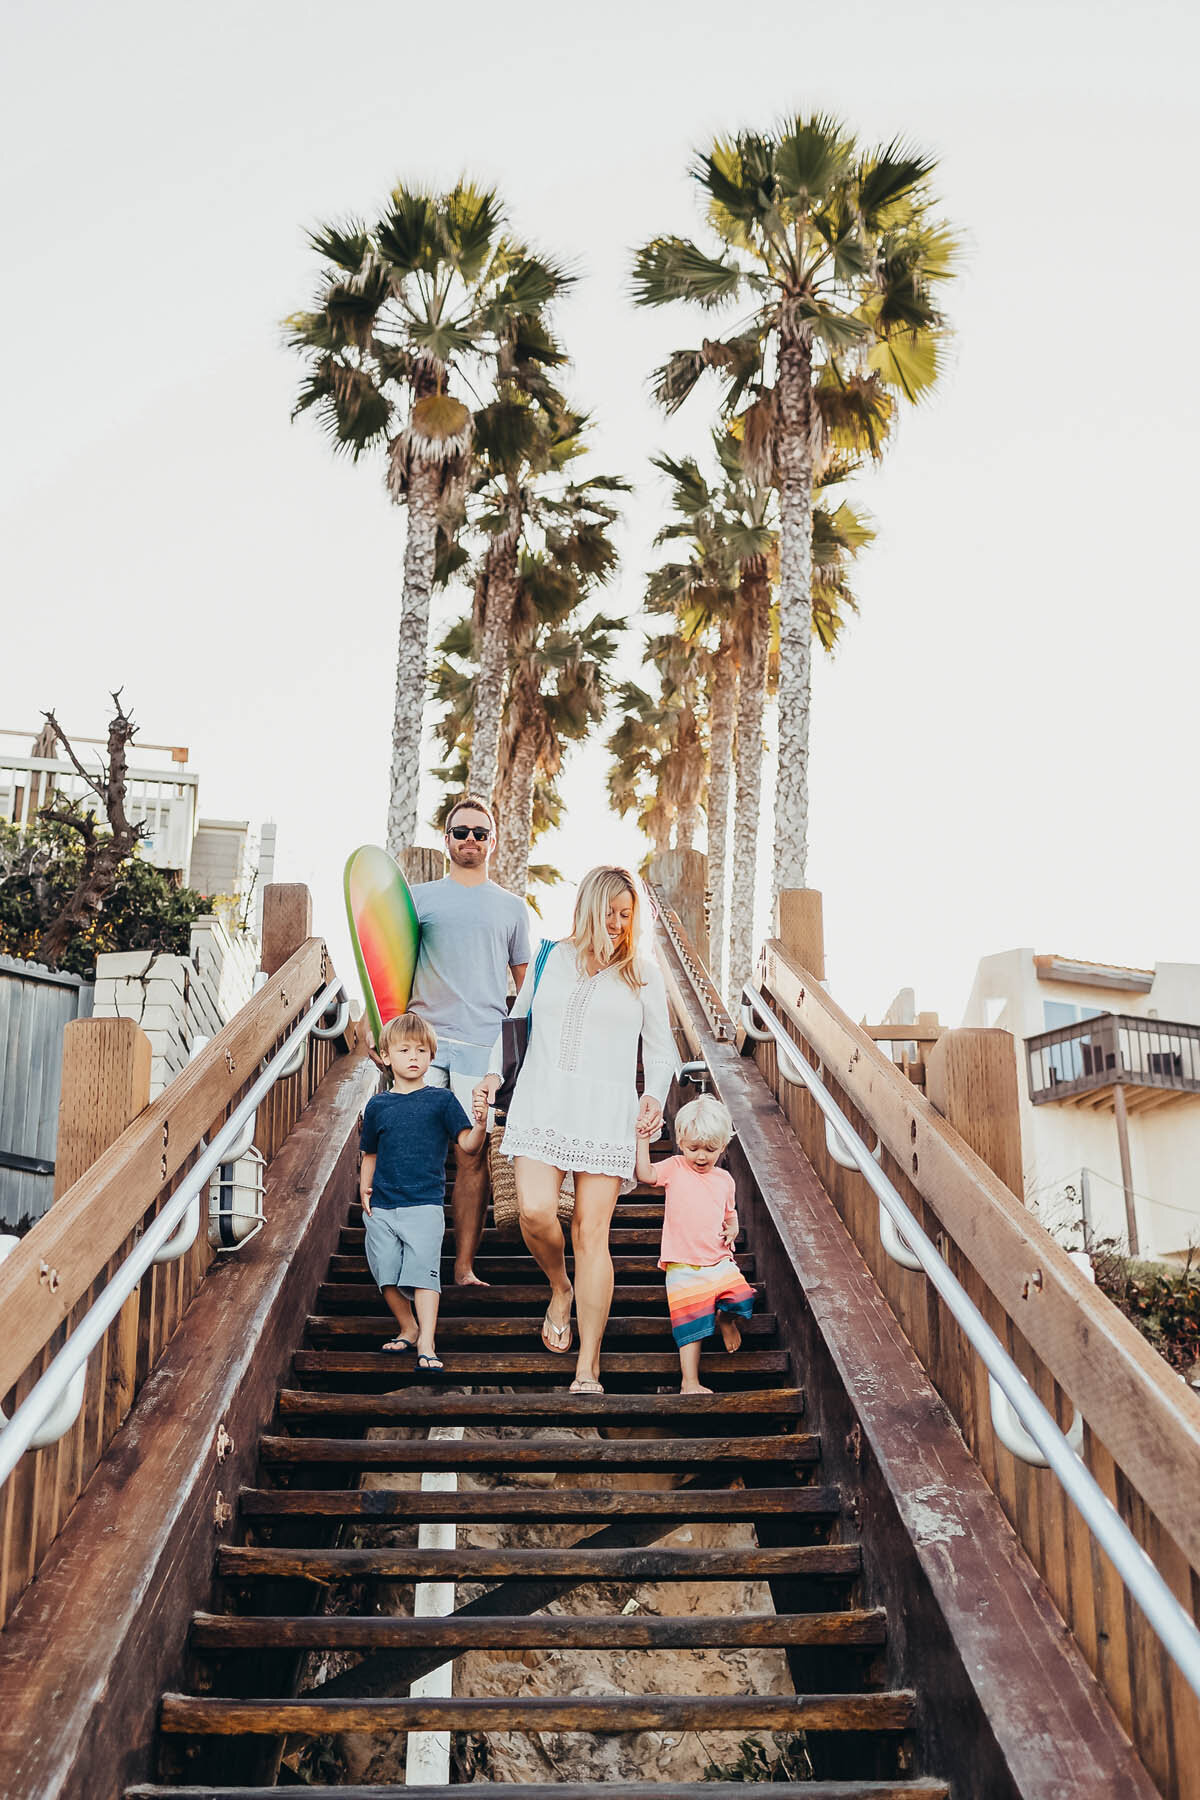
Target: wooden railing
(1141, 1435)
(1150, 1054)
(119, 1159)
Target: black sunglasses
(479, 832)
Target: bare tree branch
(102, 857)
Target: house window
(1078, 1056)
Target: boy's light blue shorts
(404, 1247)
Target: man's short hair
(407, 1028)
(471, 803)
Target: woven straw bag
(504, 1190)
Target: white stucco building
(1104, 1051)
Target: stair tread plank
(211, 1714)
(540, 1453)
(852, 1628)
(545, 1505)
(246, 1561)
(520, 1269)
(455, 1330)
(336, 1296)
(305, 1403)
(868, 1789)
(492, 1368)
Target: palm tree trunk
(412, 656)
(516, 820)
(752, 690)
(720, 763)
(499, 599)
(793, 398)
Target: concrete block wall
(176, 999)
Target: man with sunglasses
(473, 934)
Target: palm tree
(557, 694)
(838, 254)
(640, 747)
(525, 444)
(406, 309)
(701, 594)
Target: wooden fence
(119, 1160)
(35, 1005)
(1141, 1422)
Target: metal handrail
(46, 1396)
(1173, 1627)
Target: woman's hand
(649, 1119)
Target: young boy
(402, 1184)
(705, 1287)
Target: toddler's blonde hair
(705, 1123)
(407, 1028)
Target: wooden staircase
(741, 1455)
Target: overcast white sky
(1004, 748)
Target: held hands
(482, 1097)
(649, 1118)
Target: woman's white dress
(575, 1103)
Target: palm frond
(675, 268)
(347, 245)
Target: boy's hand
(480, 1105)
(729, 1233)
(366, 1206)
(646, 1128)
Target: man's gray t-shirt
(469, 936)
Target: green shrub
(39, 870)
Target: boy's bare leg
(426, 1302)
(468, 1205)
(689, 1362)
(402, 1312)
(537, 1199)
(730, 1330)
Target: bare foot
(470, 1279)
(730, 1330)
(696, 1388)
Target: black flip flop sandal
(430, 1365)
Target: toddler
(402, 1183)
(705, 1287)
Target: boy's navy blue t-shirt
(409, 1135)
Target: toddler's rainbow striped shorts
(694, 1296)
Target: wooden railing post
(971, 1079)
(800, 927)
(422, 863)
(683, 877)
(105, 1085)
(287, 922)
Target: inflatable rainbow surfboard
(385, 933)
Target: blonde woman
(575, 1107)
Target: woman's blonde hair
(589, 930)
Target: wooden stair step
(789, 1448)
(918, 1789)
(198, 1715)
(343, 1296)
(756, 1403)
(463, 1330)
(548, 1505)
(852, 1629)
(620, 1238)
(240, 1562)
(637, 1210)
(491, 1368)
(519, 1267)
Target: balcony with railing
(1154, 1061)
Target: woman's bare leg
(595, 1198)
(537, 1207)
